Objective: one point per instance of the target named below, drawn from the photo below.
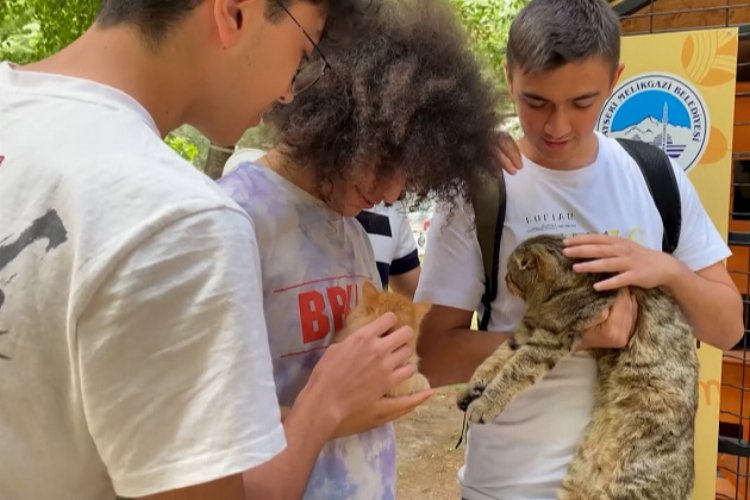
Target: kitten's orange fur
(374, 304)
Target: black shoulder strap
(657, 170)
(489, 216)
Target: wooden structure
(655, 16)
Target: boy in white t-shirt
(562, 63)
(134, 358)
(382, 122)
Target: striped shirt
(392, 239)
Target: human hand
(631, 263)
(615, 326)
(355, 374)
(380, 412)
(508, 152)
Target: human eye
(583, 104)
(535, 103)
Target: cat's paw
(482, 410)
(469, 394)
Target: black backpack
(489, 210)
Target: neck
(301, 176)
(118, 57)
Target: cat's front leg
(524, 369)
(484, 374)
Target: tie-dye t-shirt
(313, 263)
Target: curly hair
(406, 97)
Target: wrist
(673, 274)
(322, 414)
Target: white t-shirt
(134, 352)
(525, 452)
(313, 262)
(392, 240)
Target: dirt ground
(427, 458)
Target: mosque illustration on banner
(672, 139)
(662, 110)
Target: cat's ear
(369, 292)
(528, 262)
(420, 309)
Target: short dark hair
(548, 34)
(407, 96)
(154, 18)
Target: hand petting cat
(708, 297)
(631, 263)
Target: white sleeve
(452, 271)
(700, 244)
(175, 370)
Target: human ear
(616, 74)
(234, 16)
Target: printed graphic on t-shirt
(565, 223)
(550, 221)
(323, 305)
(47, 227)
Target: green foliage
(183, 146)
(19, 32)
(33, 29)
(488, 22)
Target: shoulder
(612, 152)
(259, 193)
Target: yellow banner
(677, 92)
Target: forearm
(307, 426)
(406, 283)
(451, 356)
(713, 308)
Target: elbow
(735, 325)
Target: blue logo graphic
(662, 110)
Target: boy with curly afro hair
(404, 110)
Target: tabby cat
(374, 304)
(639, 443)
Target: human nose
(558, 124)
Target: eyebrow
(537, 97)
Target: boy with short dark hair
(562, 63)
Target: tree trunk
(217, 157)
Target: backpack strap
(489, 216)
(662, 184)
